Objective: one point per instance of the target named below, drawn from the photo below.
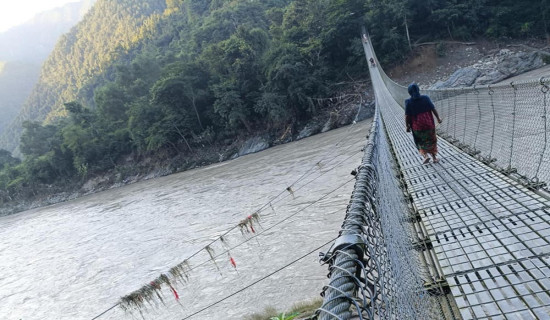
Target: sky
(16, 12)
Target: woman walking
(419, 112)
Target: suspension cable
(513, 125)
(544, 89)
(476, 93)
(273, 201)
(259, 280)
(491, 92)
(465, 93)
(252, 237)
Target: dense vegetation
(136, 78)
(170, 77)
(427, 20)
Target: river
(76, 259)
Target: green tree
(37, 139)
(231, 106)
(6, 159)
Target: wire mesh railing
(374, 271)
(504, 125)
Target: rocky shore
(493, 68)
(452, 64)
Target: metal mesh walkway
(490, 234)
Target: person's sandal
(426, 161)
(436, 160)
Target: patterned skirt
(426, 141)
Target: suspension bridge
(465, 238)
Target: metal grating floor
(490, 234)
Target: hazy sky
(16, 12)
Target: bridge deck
(490, 234)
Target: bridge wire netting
(374, 271)
(504, 125)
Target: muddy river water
(76, 259)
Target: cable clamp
(545, 87)
(423, 244)
(354, 241)
(474, 151)
(488, 160)
(365, 166)
(438, 287)
(536, 184)
(414, 217)
(509, 170)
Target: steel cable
(544, 117)
(374, 271)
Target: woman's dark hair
(414, 90)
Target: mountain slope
(155, 79)
(16, 82)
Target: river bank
(351, 104)
(432, 65)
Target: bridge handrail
(373, 266)
(346, 254)
(505, 125)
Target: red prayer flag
(175, 293)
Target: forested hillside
(82, 58)
(431, 20)
(138, 78)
